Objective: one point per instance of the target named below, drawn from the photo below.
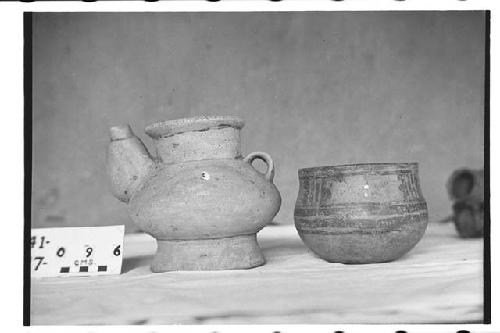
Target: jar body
(204, 199)
(361, 213)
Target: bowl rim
(359, 167)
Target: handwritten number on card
(40, 260)
(89, 251)
(116, 251)
(60, 252)
(42, 242)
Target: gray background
(314, 88)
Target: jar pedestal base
(239, 252)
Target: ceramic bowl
(360, 213)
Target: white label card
(82, 251)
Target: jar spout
(128, 162)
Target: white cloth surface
(439, 281)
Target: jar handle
(269, 175)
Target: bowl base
(239, 252)
(365, 248)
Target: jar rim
(166, 128)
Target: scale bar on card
(83, 269)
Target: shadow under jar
(361, 213)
